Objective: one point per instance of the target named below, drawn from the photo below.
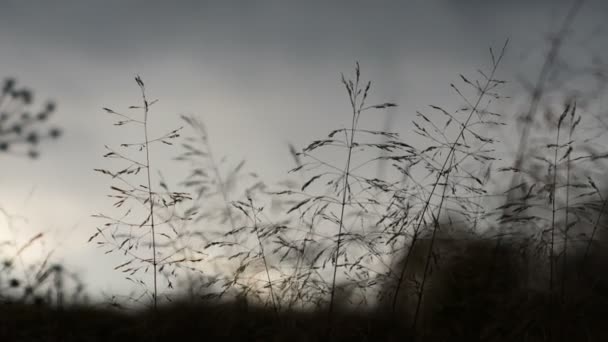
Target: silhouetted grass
(146, 207)
(453, 243)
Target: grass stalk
(150, 198)
(594, 230)
(538, 93)
(264, 260)
(567, 222)
(440, 173)
(353, 95)
(428, 257)
(554, 200)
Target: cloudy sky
(259, 73)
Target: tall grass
(449, 163)
(424, 240)
(451, 240)
(144, 207)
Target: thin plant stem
(429, 255)
(567, 223)
(150, 199)
(594, 230)
(554, 200)
(537, 95)
(355, 113)
(539, 88)
(443, 169)
(261, 246)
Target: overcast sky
(259, 73)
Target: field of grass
(435, 235)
